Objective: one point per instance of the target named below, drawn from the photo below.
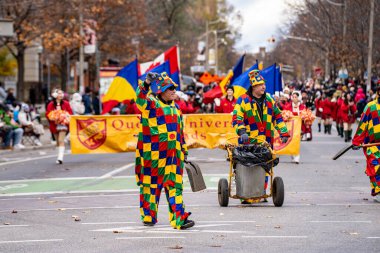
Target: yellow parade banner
(118, 133)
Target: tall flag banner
(122, 88)
(164, 67)
(269, 75)
(241, 84)
(238, 69)
(172, 56)
(278, 83)
(232, 75)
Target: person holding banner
(161, 152)
(256, 115)
(296, 107)
(368, 131)
(58, 113)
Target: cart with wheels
(247, 182)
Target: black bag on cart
(254, 155)
(194, 173)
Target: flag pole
(179, 63)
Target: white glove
(217, 101)
(320, 109)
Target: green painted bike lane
(84, 185)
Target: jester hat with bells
(164, 82)
(255, 78)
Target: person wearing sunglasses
(256, 116)
(161, 152)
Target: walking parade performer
(161, 152)
(58, 112)
(328, 108)
(318, 102)
(296, 107)
(348, 112)
(368, 131)
(256, 115)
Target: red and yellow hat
(164, 82)
(255, 78)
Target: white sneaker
(377, 198)
(53, 142)
(37, 143)
(19, 146)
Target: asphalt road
(327, 208)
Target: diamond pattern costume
(160, 155)
(246, 116)
(369, 132)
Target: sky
(261, 21)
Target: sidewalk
(45, 140)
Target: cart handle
(250, 138)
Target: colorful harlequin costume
(369, 132)
(160, 154)
(246, 117)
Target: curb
(27, 148)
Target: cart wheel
(278, 191)
(223, 192)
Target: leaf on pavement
(117, 231)
(278, 226)
(14, 211)
(6, 223)
(176, 247)
(75, 217)
(52, 201)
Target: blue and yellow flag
(232, 75)
(242, 83)
(122, 88)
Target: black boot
(337, 129)
(349, 135)
(319, 127)
(329, 129)
(326, 127)
(345, 136)
(341, 132)
(187, 224)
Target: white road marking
(192, 231)
(117, 171)
(212, 206)
(273, 236)
(95, 195)
(150, 237)
(26, 241)
(106, 223)
(375, 237)
(27, 160)
(340, 221)
(10, 226)
(229, 221)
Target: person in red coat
(227, 104)
(59, 125)
(318, 103)
(327, 110)
(339, 122)
(181, 100)
(296, 107)
(348, 111)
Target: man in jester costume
(368, 131)
(161, 152)
(256, 116)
